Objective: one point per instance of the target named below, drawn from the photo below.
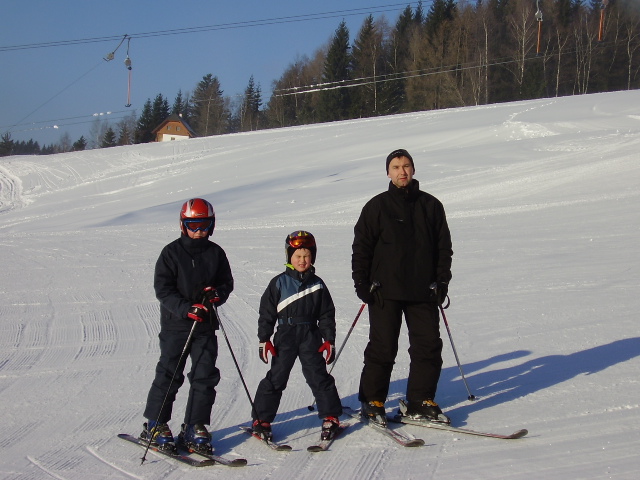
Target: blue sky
(69, 85)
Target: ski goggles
(195, 225)
(301, 240)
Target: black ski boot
(374, 412)
(427, 411)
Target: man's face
(400, 171)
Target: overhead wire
(280, 92)
(208, 28)
(180, 31)
(57, 94)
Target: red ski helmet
(197, 214)
(300, 239)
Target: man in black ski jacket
(402, 242)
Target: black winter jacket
(402, 240)
(297, 298)
(184, 268)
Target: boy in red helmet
(299, 302)
(192, 276)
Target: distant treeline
(458, 53)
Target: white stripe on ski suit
(288, 301)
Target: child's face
(198, 234)
(301, 259)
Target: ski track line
(318, 467)
(99, 335)
(371, 465)
(43, 468)
(93, 452)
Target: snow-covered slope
(543, 204)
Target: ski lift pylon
(539, 19)
(603, 6)
(127, 63)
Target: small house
(174, 127)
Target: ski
(175, 456)
(323, 445)
(229, 462)
(443, 426)
(278, 447)
(403, 438)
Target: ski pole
(184, 350)
(224, 334)
(471, 397)
(374, 285)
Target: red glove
(211, 296)
(198, 313)
(330, 350)
(265, 349)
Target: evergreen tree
(179, 106)
(441, 11)
(367, 67)
(79, 144)
(109, 139)
(47, 150)
(398, 60)
(249, 109)
(34, 146)
(210, 113)
(29, 147)
(159, 110)
(145, 124)
(334, 99)
(6, 145)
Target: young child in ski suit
(192, 277)
(299, 302)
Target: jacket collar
(301, 277)
(410, 192)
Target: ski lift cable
(65, 119)
(222, 26)
(111, 55)
(58, 94)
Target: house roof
(175, 118)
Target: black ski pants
(425, 349)
(292, 342)
(203, 377)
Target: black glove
(198, 313)
(364, 292)
(441, 291)
(211, 296)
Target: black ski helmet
(300, 239)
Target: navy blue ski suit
(301, 306)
